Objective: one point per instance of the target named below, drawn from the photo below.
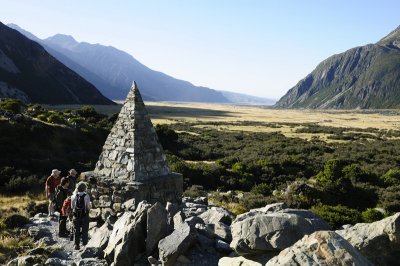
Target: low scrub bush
(391, 177)
(42, 117)
(11, 105)
(33, 208)
(55, 119)
(263, 189)
(21, 184)
(252, 201)
(372, 215)
(195, 191)
(338, 215)
(15, 221)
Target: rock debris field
(195, 233)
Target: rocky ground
(195, 233)
(54, 249)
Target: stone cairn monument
(132, 166)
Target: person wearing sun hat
(51, 183)
(72, 177)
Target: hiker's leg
(62, 229)
(77, 229)
(71, 229)
(51, 207)
(85, 229)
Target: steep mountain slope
(102, 85)
(362, 77)
(112, 71)
(28, 72)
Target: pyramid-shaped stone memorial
(132, 150)
(132, 164)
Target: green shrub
(391, 177)
(338, 215)
(5, 174)
(371, 215)
(42, 117)
(252, 201)
(21, 184)
(263, 189)
(35, 109)
(167, 136)
(55, 118)
(15, 221)
(77, 120)
(87, 111)
(195, 191)
(389, 198)
(33, 208)
(11, 105)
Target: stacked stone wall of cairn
(110, 196)
(132, 166)
(132, 149)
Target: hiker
(66, 211)
(51, 183)
(61, 194)
(72, 177)
(80, 202)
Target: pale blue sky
(260, 47)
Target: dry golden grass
(172, 112)
(9, 203)
(206, 114)
(200, 112)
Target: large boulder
(177, 243)
(178, 219)
(127, 240)
(222, 231)
(157, 227)
(38, 232)
(378, 241)
(98, 242)
(270, 208)
(216, 215)
(320, 248)
(273, 231)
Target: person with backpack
(61, 194)
(72, 177)
(80, 203)
(51, 184)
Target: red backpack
(66, 209)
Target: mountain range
(362, 77)
(112, 72)
(29, 72)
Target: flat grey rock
(320, 248)
(378, 241)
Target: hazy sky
(256, 47)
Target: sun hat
(55, 172)
(73, 172)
